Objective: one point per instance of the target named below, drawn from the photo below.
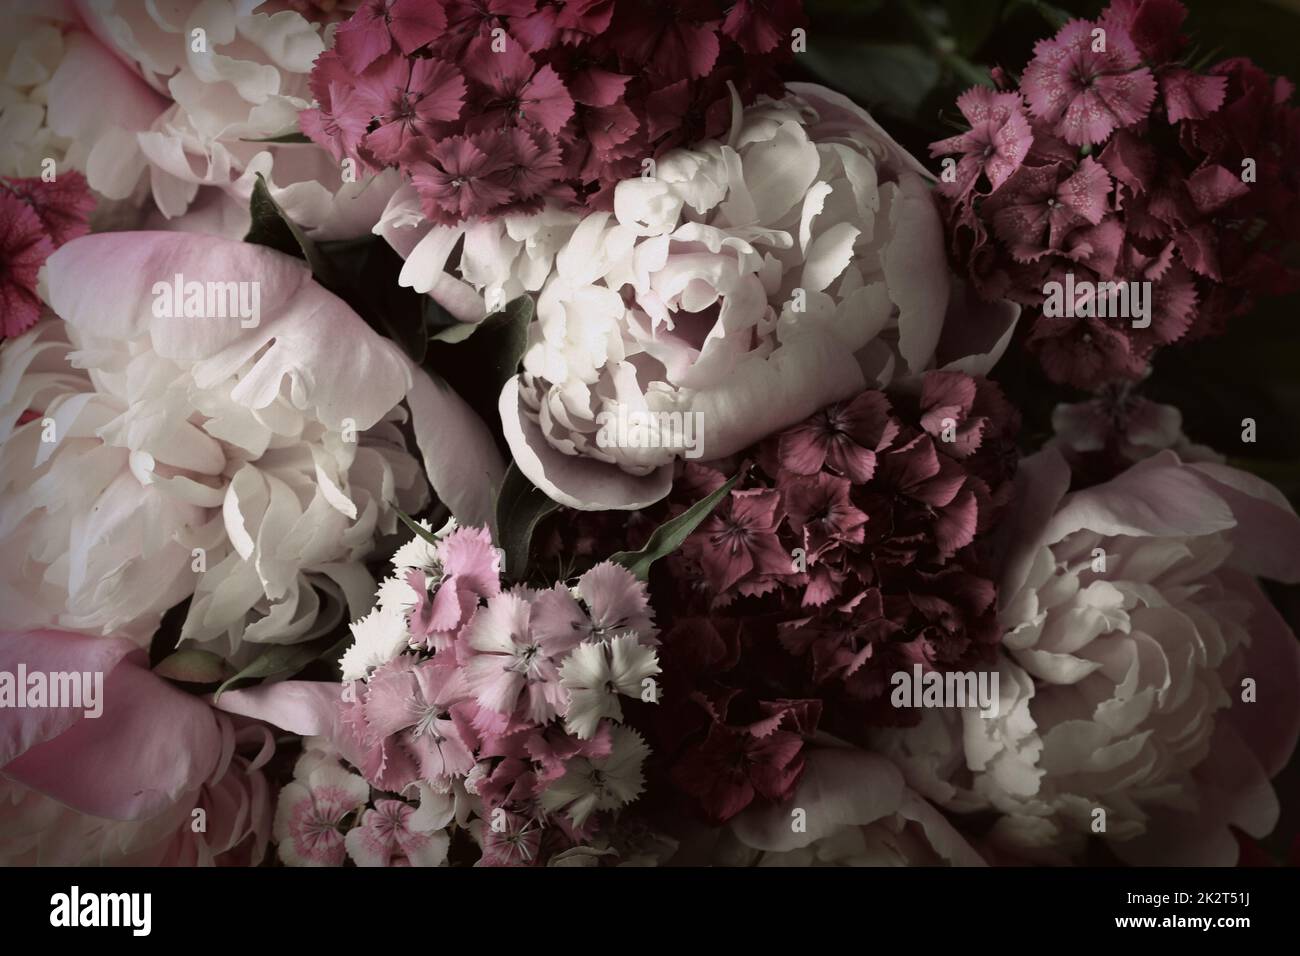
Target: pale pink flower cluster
(499, 707)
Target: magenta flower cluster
(496, 106)
(1112, 160)
(853, 549)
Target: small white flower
(379, 637)
(310, 815)
(396, 595)
(595, 674)
(600, 783)
(419, 553)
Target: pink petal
(306, 708)
(466, 481)
(1191, 96)
(152, 744)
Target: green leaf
(972, 23)
(273, 228)
(441, 325)
(668, 537)
(501, 339)
(520, 506)
(479, 366)
(292, 136)
(285, 659)
(394, 311)
(415, 526)
(893, 76)
(191, 665)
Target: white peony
(31, 49)
(740, 285)
(147, 458)
(163, 100)
(1147, 695)
(850, 808)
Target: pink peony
(268, 442)
(121, 787)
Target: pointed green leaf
(520, 506)
(487, 358)
(292, 136)
(286, 659)
(415, 526)
(668, 537)
(271, 227)
(191, 665)
(392, 310)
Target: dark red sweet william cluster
(855, 547)
(496, 106)
(1114, 159)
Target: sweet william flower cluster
(374, 576)
(497, 107)
(502, 702)
(1113, 161)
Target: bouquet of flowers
(579, 433)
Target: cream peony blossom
(740, 285)
(1132, 625)
(31, 50)
(850, 808)
(166, 99)
(1129, 425)
(147, 458)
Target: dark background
(907, 60)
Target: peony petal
(50, 652)
(839, 787)
(152, 743)
(1040, 483)
(916, 248)
(581, 483)
(306, 708)
(1158, 496)
(460, 456)
(975, 332)
(1267, 536)
(1270, 725)
(764, 395)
